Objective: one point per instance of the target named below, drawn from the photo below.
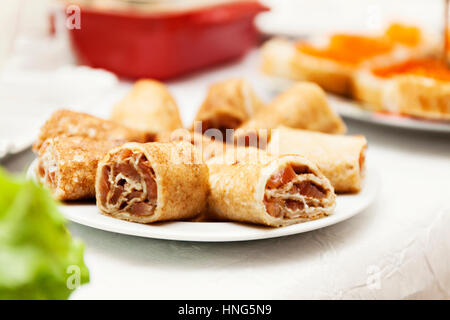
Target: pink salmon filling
(277, 206)
(128, 184)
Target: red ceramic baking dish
(164, 44)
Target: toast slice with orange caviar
(416, 87)
(332, 63)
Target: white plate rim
(239, 231)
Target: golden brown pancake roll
(340, 158)
(150, 107)
(152, 182)
(302, 106)
(252, 186)
(68, 123)
(227, 105)
(67, 165)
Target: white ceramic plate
(352, 110)
(347, 206)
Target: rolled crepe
(152, 182)
(67, 165)
(67, 123)
(302, 106)
(207, 147)
(149, 107)
(340, 158)
(253, 186)
(227, 105)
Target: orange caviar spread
(354, 49)
(406, 35)
(349, 49)
(431, 68)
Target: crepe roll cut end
(67, 166)
(47, 172)
(250, 185)
(128, 184)
(146, 182)
(294, 193)
(342, 159)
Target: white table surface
(398, 248)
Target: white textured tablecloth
(398, 248)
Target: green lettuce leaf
(38, 257)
